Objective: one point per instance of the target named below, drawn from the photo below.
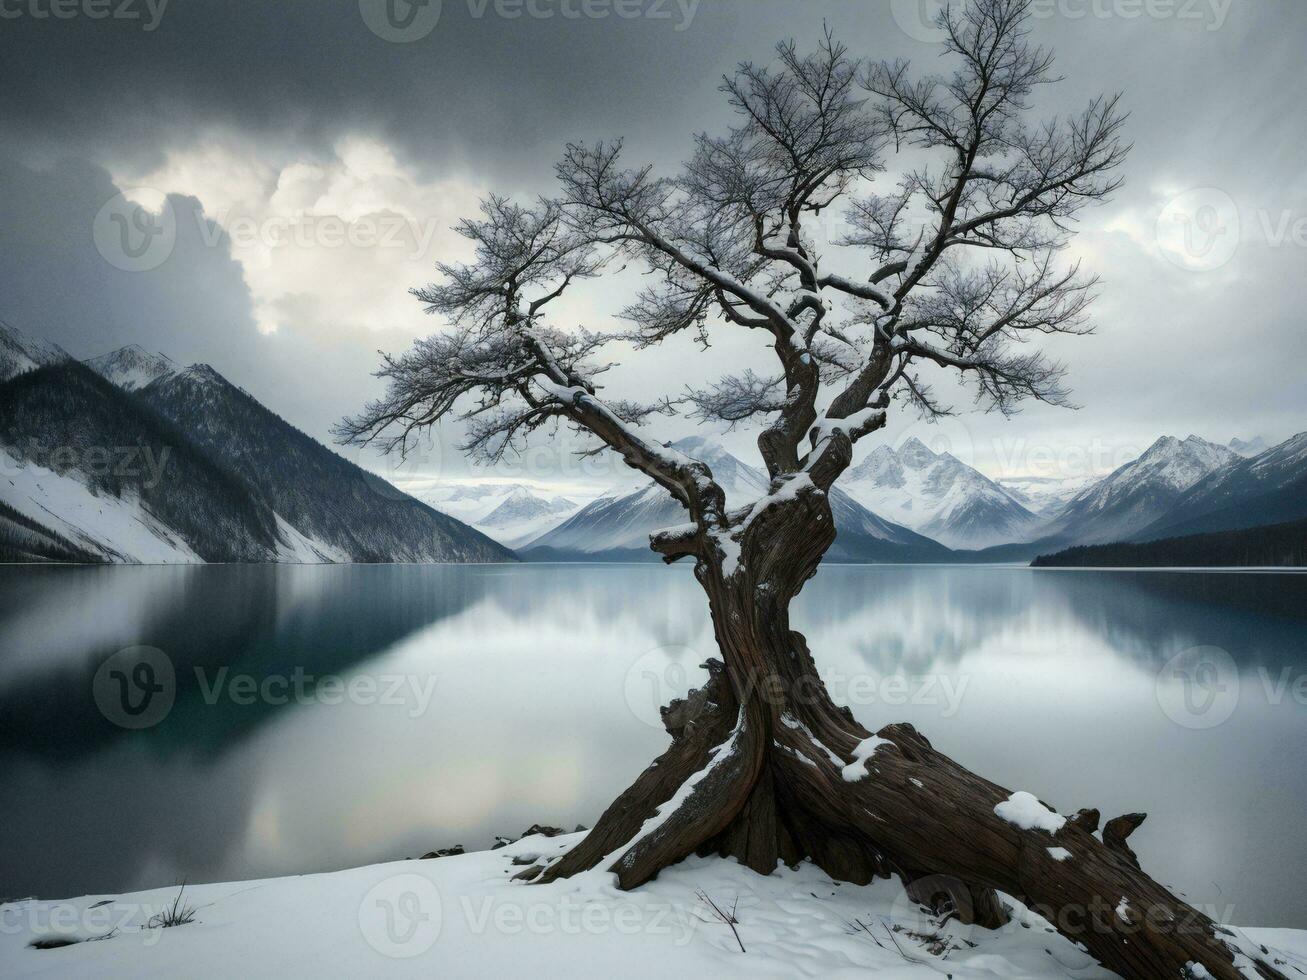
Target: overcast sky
(303, 163)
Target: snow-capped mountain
(509, 513)
(743, 483)
(864, 536)
(521, 505)
(938, 495)
(132, 368)
(94, 475)
(1268, 488)
(343, 512)
(19, 352)
(1251, 447)
(618, 526)
(187, 468)
(1135, 495)
(614, 525)
(1044, 495)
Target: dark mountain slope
(69, 420)
(1268, 488)
(322, 495)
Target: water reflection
(264, 620)
(543, 680)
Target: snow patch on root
(1025, 811)
(795, 725)
(719, 755)
(862, 752)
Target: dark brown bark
(758, 770)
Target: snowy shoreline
(463, 916)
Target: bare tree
(958, 271)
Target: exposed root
(768, 786)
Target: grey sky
(253, 115)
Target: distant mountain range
(1251, 447)
(521, 506)
(617, 527)
(1267, 488)
(1177, 487)
(509, 513)
(1135, 495)
(938, 508)
(131, 458)
(1044, 495)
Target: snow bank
(462, 917)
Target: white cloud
(326, 245)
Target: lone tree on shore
(957, 268)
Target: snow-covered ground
(296, 547)
(457, 917)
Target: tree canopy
(957, 251)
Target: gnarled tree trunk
(764, 767)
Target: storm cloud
(313, 158)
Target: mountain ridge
(132, 367)
(939, 496)
(216, 475)
(620, 523)
(1138, 492)
(20, 353)
(1268, 488)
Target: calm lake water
(367, 713)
